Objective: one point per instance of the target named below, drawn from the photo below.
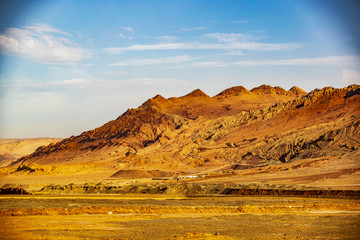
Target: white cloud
(235, 53)
(154, 61)
(74, 81)
(41, 43)
(228, 37)
(100, 86)
(53, 86)
(175, 67)
(155, 81)
(241, 21)
(331, 60)
(350, 76)
(210, 64)
(43, 27)
(209, 46)
(129, 29)
(167, 38)
(353, 61)
(123, 36)
(141, 47)
(212, 41)
(114, 73)
(192, 29)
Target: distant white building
(188, 176)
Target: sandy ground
(116, 217)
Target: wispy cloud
(73, 81)
(210, 64)
(129, 29)
(123, 36)
(92, 86)
(212, 41)
(114, 73)
(241, 21)
(154, 61)
(258, 46)
(349, 61)
(330, 60)
(350, 76)
(147, 81)
(227, 37)
(175, 67)
(42, 43)
(192, 29)
(43, 27)
(167, 38)
(52, 86)
(235, 53)
(233, 37)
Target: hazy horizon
(71, 66)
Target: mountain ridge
(264, 126)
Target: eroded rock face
(266, 125)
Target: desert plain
(159, 217)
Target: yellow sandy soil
(111, 217)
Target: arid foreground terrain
(264, 163)
(154, 217)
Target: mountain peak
(280, 91)
(263, 89)
(155, 101)
(297, 91)
(158, 97)
(234, 91)
(197, 93)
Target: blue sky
(70, 66)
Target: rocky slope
(236, 129)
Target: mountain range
(237, 131)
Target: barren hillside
(235, 131)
